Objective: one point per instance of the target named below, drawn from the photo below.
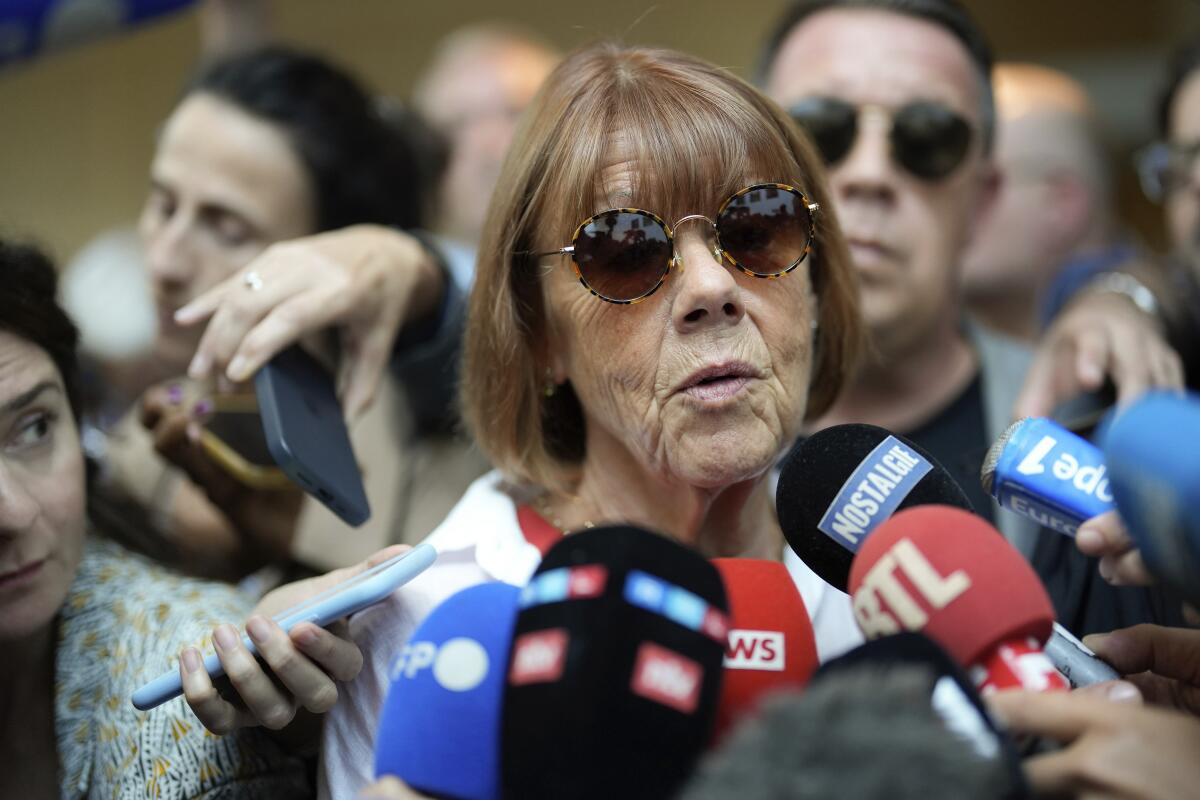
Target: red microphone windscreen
(771, 644)
(948, 574)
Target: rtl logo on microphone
(884, 606)
(758, 650)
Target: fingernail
(175, 394)
(202, 409)
(225, 637)
(1122, 692)
(237, 369)
(191, 660)
(185, 315)
(258, 629)
(306, 636)
(198, 369)
(1089, 538)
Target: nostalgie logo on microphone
(873, 492)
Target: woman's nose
(18, 509)
(168, 253)
(709, 293)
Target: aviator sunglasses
(623, 255)
(928, 139)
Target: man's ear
(990, 181)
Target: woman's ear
(552, 358)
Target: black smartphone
(306, 432)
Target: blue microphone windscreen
(1152, 450)
(1041, 470)
(440, 726)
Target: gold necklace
(542, 505)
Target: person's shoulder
(998, 352)
(124, 621)
(487, 510)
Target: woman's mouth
(21, 576)
(718, 382)
(712, 389)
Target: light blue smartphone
(327, 607)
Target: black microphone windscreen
(893, 719)
(840, 483)
(615, 669)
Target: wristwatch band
(1125, 284)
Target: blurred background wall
(77, 123)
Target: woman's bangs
(690, 143)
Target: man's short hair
(950, 15)
(1184, 61)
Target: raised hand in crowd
(1164, 663)
(264, 520)
(1099, 334)
(1105, 537)
(1111, 749)
(302, 669)
(367, 281)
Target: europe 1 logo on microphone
(1052, 476)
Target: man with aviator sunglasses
(897, 97)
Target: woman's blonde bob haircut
(697, 134)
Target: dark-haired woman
(84, 622)
(279, 198)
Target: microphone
(949, 574)
(615, 669)
(1041, 470)
(771, 646)
(901, 701)
(839, 484)
(440, 724)
(1153, 455)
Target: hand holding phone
(306, 432)
(232, 436)
(355, 594)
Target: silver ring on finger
(253, 281)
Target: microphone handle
(1079, 665)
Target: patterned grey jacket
(124, 621)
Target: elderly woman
(662, 298)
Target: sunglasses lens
(623, 255)
(765, 229)
(930, 140)
(830, 122)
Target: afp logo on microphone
(756, 650)
(457, 665)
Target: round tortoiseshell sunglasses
(623, 255)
